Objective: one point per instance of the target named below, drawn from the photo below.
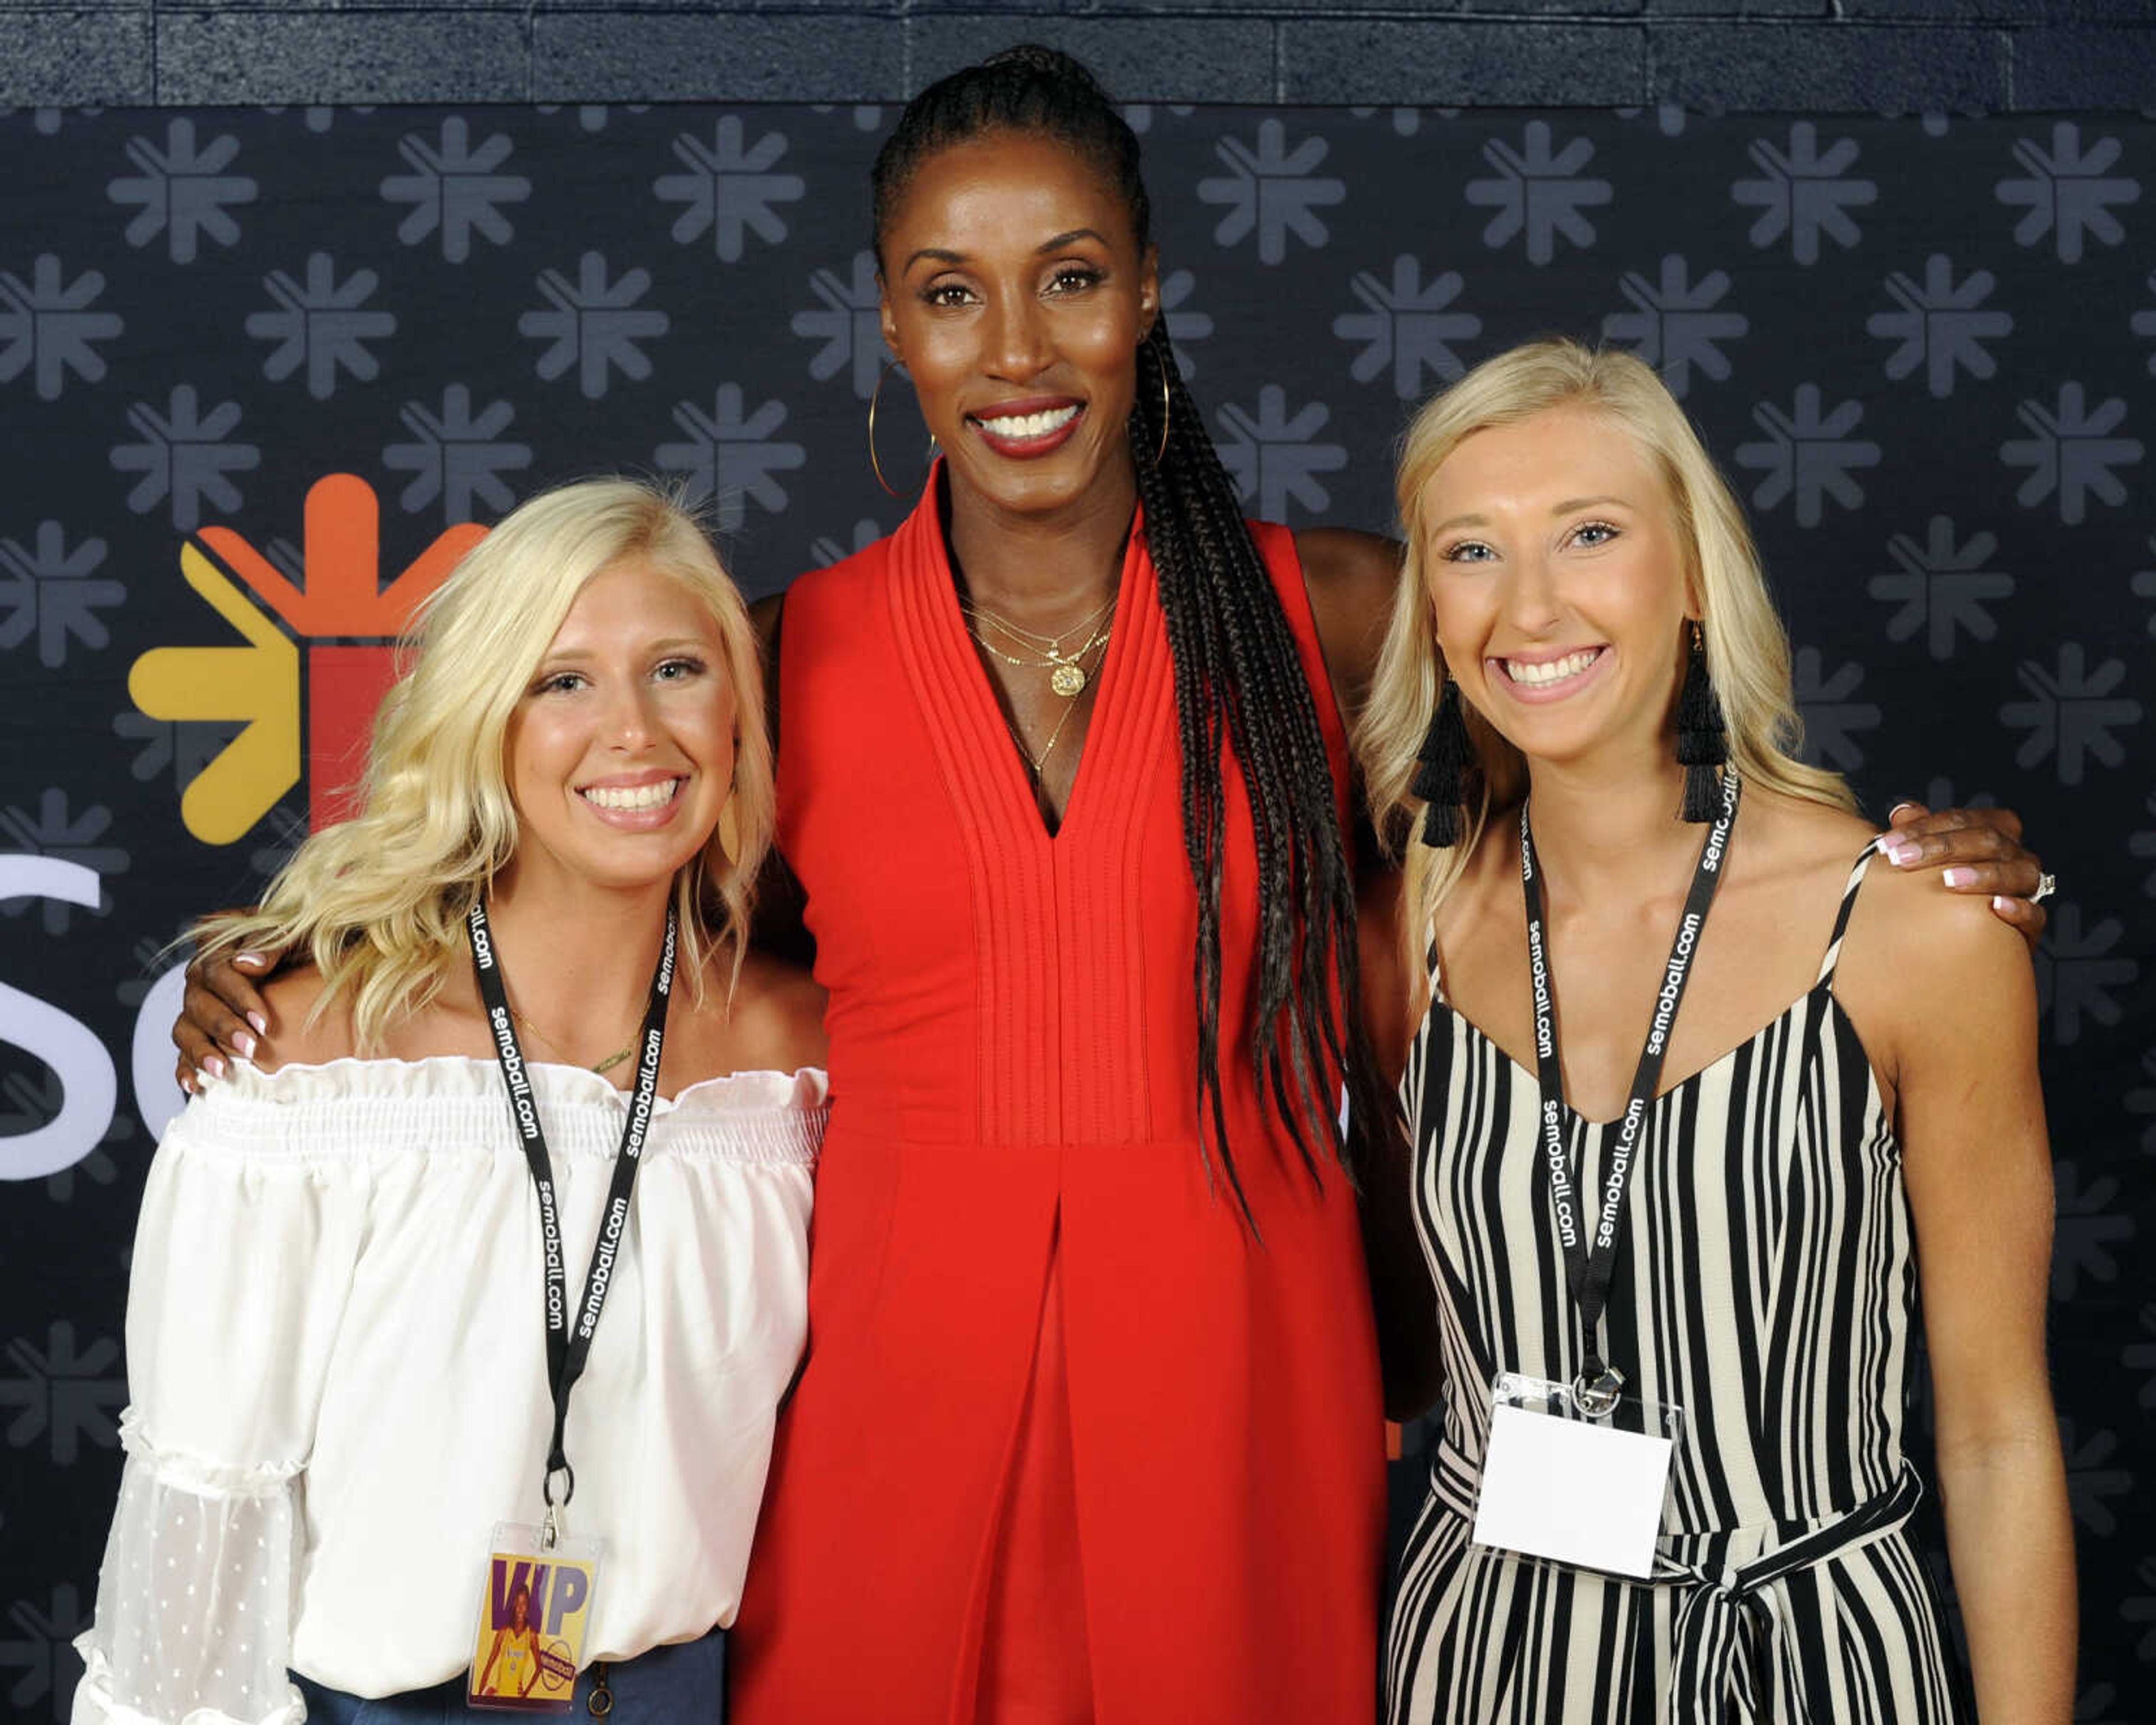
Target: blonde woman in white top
(343, 1370)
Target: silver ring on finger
(2046, 883)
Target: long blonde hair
(1747, 651)
(377, 902)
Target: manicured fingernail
(213, 1065)
(253, 961)
(244, 1045)
(2002, 904)
(1904, 803)
(261, 1025)
(1960, 877)
(1900, 851)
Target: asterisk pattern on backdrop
(1924, 350)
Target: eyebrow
(672, 643)
(941, 254)
(1564, 508)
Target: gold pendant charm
(1067, 680)
(612, 1060)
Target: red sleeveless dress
(1028, 1302)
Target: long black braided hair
(1238, 676)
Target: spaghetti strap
(1825, 979)
(1433, 971)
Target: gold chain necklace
(1034, 638)
(608, 1064)
(1066, 671)
(1034, 762)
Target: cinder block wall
(1817, 55)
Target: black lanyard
(1588, 1267)
(568, 1349)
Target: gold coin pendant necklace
(1065, 667)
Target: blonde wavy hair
(1748, 650)
(378, 901)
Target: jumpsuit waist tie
(1729, 1616)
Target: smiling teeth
(1554, 671)
(1025, 425)
(626, 797)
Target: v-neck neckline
(1013, 774)
(1669, 1096)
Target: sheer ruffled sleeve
(243, 1260)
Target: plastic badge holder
(534, 1613)
(1578, 1488)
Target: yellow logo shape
(349, 619)
(258, 683)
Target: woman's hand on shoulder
(1352, 578)
(224, 1015)
(1980, 852)
(302, 1040)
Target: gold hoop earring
(874, 465)
(1160, 360)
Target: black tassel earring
(1446, 754)
(1702, 742)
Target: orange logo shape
(349, 622)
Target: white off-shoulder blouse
(337, 1361)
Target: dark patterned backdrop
(255, 366)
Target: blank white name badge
(1560, 1485)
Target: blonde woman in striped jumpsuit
(1837, 1118)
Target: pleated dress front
(1765, 1284)
(1014, 1217)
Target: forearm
(2009, 1536)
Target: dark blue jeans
(681, 1685)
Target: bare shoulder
(1924, 969)
(1783, 831)
(1900, 916)
(1351, 577)
(773, 1022)
(1914, 930)
(1793, 860)
(303, 1038)
(782, 1001)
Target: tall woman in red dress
(1090, 1427)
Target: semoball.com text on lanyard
(1574, 1470)
(541, 1585)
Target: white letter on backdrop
(88, 1085)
